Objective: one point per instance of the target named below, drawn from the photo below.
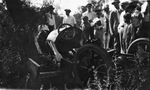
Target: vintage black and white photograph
(74, 44)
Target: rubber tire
(131, 50)
(104, 55)
(133, 45)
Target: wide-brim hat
(51, 7)
(89, 5)
(133, 1)
(115, 1)
(124, 3)
(130, 6)
(67, 10)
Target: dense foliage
(17, 30)
(18, 26)
(9, 55)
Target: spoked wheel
(140, 48)
(63, 25)
(143, 43)
(92, 65)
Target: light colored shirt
(143, 7)
(99, 29)
(114, 20)
(91, 15)
(122, 16)
(121, 20)
(69, 20)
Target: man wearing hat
(51, 18)
(99, 26)
(68, 18)
(91, 15)
(113, 26)
(106, 11)
(123, 5)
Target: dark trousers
(111, 42)
(87, 34)
(114, 42)
(91, 32)
(144, 30)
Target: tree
(17, 27)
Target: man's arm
(63, 20)
(54, 23)
(37, 44)
(131, 30)
(74, 21)
(111, 21)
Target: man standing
(123, 5)
(91, 15)
(69, 19)
(99, 26)
(113, 26)
(106, 25)
(51, 18)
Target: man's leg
(107, 41)
(111, 42)
(92, 33)
(121, 32)
(117, 43)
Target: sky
(67, 4)
(64, 4)
(71, 4)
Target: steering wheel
(67, 33)
(65, 24)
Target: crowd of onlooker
(116, 28)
